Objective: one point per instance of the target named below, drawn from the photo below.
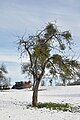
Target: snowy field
(14, 104)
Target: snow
(14, 103)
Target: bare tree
(46, 50)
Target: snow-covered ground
(14, 103)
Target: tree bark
(35, 94)
(36, 83)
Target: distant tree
(45, 50)
(50, 81)
(63, 78)
(42, 83)
(4, 81)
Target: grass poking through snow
(55, 106)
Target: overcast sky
(18, 16)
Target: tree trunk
(35, 94)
